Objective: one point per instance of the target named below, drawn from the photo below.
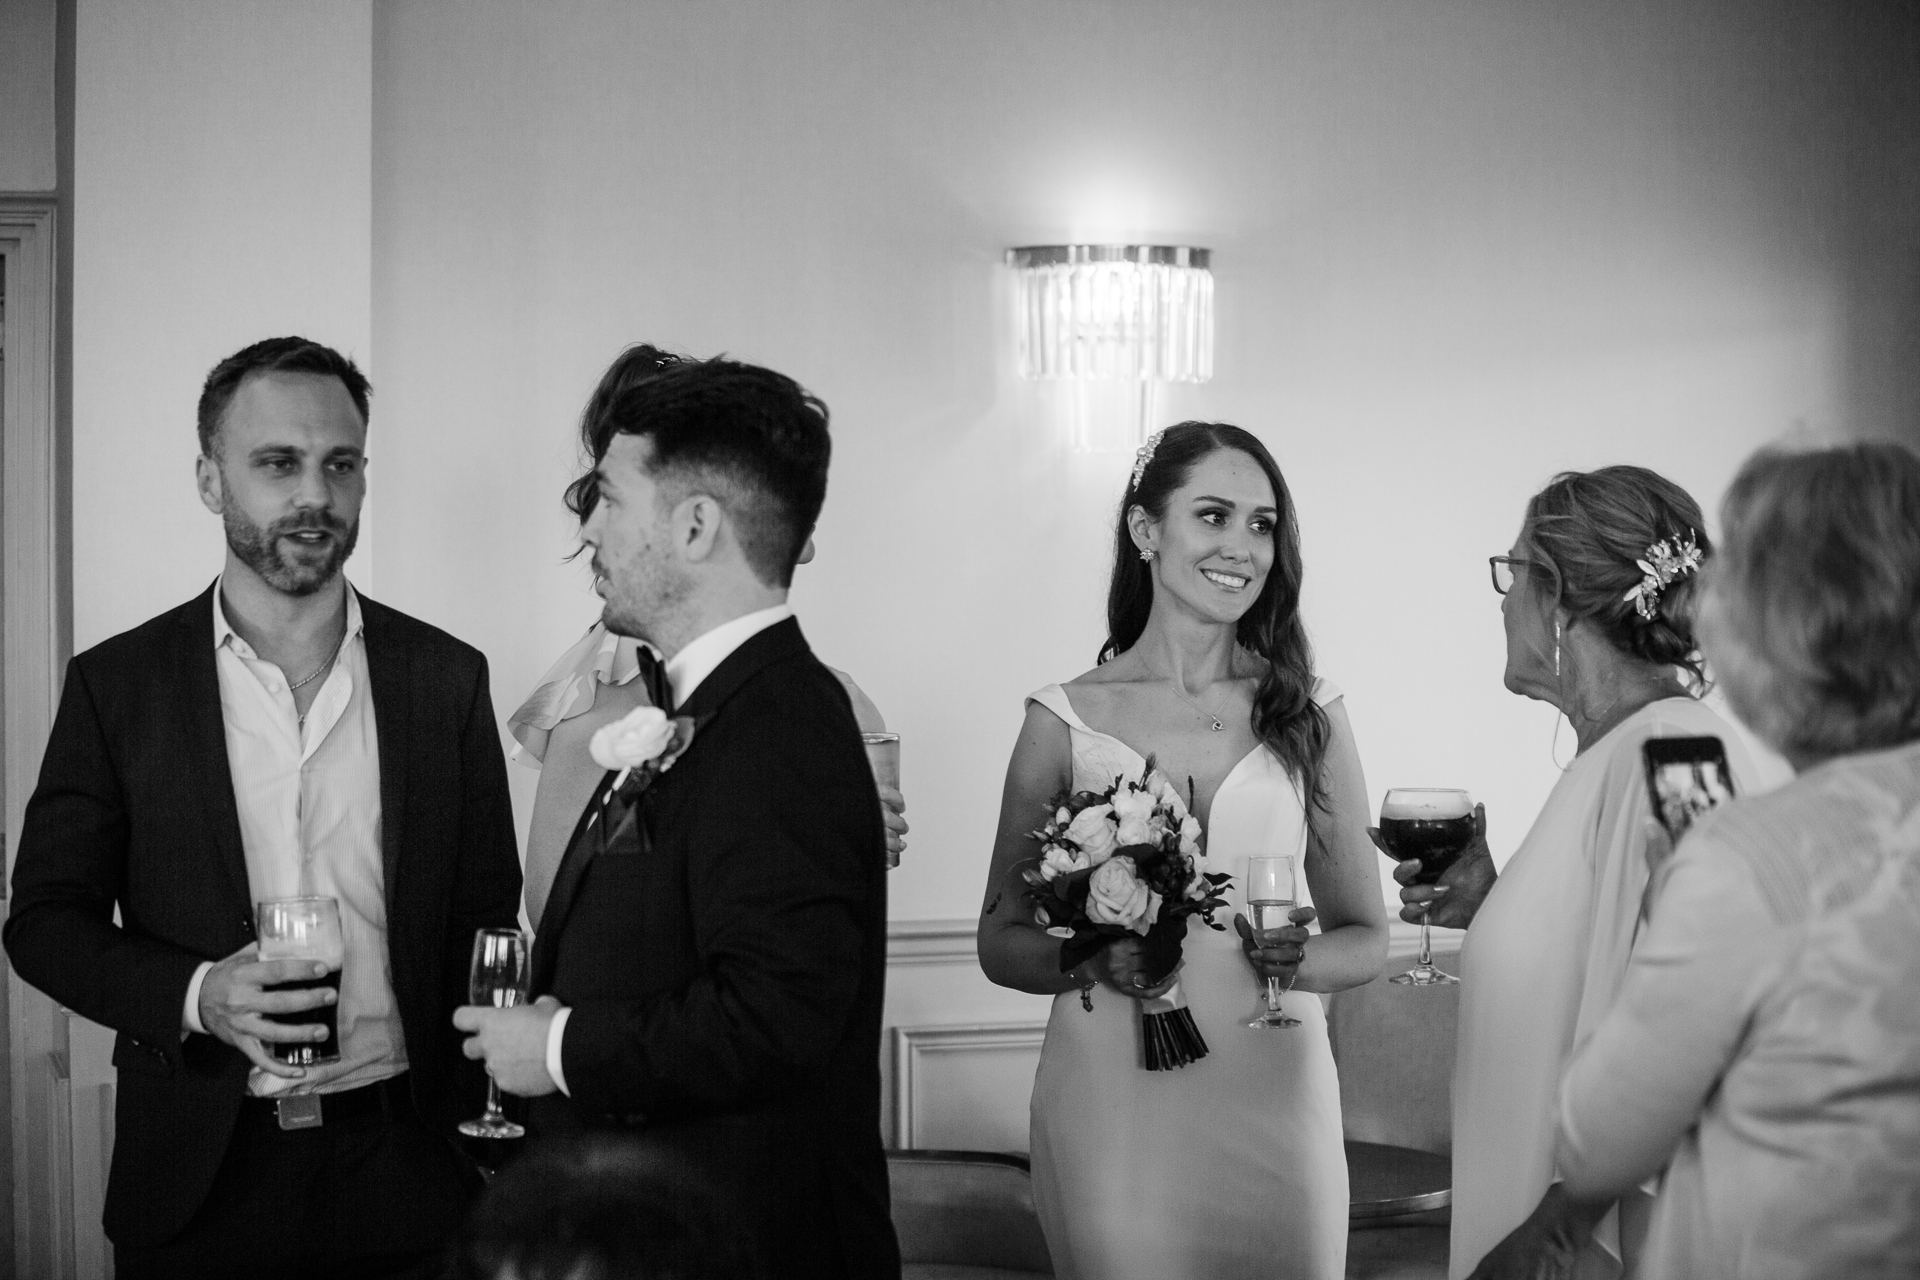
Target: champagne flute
(498, 978)
(1270, 901)
(1435, 826)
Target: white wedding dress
(1233, 1166)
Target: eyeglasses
(1502, 568)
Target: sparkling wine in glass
(498, 978)
(1270, 900)
(1433, 825)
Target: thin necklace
(1173, 682)
(309, 679)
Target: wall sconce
(1115, 321)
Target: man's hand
(513, 1043)
(892, 806)
(234, 1004)
(1453, 902)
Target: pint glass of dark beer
(304, 929)
(1433, 825)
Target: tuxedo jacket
(723, 952)
(135, 810)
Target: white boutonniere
(645, 740)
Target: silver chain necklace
(309, 679)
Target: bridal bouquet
(1126, 861)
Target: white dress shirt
(685, 671)
(308, 796)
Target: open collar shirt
(308, 795)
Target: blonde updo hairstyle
(1584, 536)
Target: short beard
(259, 549)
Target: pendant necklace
(1215, 721)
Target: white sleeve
(556, 1029)
(190, 1016)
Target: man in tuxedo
(711, 956)
(278, 735)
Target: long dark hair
(1285, 716)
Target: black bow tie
(653, 676)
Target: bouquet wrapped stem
(1127, 861)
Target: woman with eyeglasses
(1598, 595)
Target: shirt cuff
(555, 1030)
(190, 1016)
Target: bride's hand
(1121, 965)
(1279, 958)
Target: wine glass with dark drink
(1434, 826)
(497, 979)
(304, 929)
(1270, 902)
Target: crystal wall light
(1115, 321)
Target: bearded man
(278, 736)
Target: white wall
(221, 195)
(26, 96)
(1458, 247)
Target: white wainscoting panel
(964, 1088)
(958, 1053)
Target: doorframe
(38, 1206)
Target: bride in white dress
(1232, 1166)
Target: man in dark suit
(711, 956)
(277, 736)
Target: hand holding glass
(1433, 825)
(498, 979)
(304, 929)
(1270, 903)
(883, 754)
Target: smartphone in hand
(1686, 777)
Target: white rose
(1092, 830)
(1116, 896)
(1133, 809)
(1058, 860)
(633, 740)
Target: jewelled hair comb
(1144, 455)
(1665, 561)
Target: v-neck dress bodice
(1232, 1166)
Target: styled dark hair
(755, 439)
(606, 1207)
(634, 365)
(1285, 716)
(1585, 534)
(1819, 579)
(274, 355)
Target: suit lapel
(781, 640)
(206, 754)
(387, 673)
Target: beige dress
(1542, 962)
(1231, 1168)
(1767, 1039)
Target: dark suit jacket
(726, 983)
(135, 810)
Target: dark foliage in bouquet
(1126, 861)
